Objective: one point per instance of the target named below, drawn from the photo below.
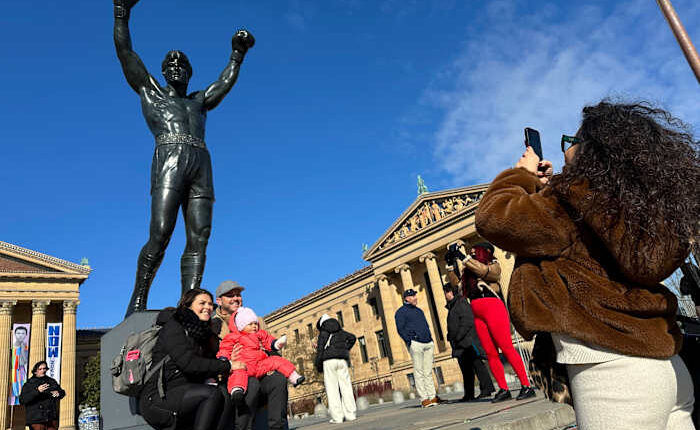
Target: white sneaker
(352, 418)
(335, 422)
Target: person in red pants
(245, 330)
(480, 284)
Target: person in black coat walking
(192, 400)
(40, 396)
(332, 359)
(461, 334)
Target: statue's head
(176, 67)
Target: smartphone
(532, 139)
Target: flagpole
(681, 35)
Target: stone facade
(38, 289)
(410, 254)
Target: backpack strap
(158, 368)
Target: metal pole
(681, 35)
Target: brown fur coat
(580, 278)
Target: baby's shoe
(237, 395)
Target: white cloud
(541, 75)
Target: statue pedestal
(118, 411)
(121, 412)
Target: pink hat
(245, 316)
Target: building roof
(16, 259)
(365, 271)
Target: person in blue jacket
(413, 329)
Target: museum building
(410, 254)
(39, 295)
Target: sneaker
(484, 395)
(501, 396)
(427, 403)
(300, 380)
(466, 399)
(437, 400)
(526, 393)
(351, 418)
(237, 395)
(335, 422)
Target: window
(296, 335)
(438, 375)
(356, 312)
(339, 317)
(381, 341)
(310, 330)
(411, 380)
(363, 349)
(373, 305)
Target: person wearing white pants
(332, 359)
(633, 393)
(341, 401)
(422, 357)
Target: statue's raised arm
(135, 72)
(240, 43)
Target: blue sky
(338, 107)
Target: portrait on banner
(20, 359)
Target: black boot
(146, 268)
(526, 393)
(191, 269)
(501, 396)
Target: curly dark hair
(641, 164)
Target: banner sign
(53, 350)
(20, 358)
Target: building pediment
(430, 212)
(16, 261)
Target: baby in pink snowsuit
(245, 330)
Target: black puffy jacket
(339, 346)
(41, 407)
(461, 332)
(190, 361)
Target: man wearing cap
(413, 329)
(271, 388)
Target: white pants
(632, 393)
(422, 356)
(341, 401)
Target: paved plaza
(533, 414)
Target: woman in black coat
(40, 396)
(462, 337)
(192, 400)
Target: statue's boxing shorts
(181, 162)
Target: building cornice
(341, 283)
(38, 257)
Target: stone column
(6, 308)
(398, 348)
(67, 414)
(37, 345)
(436, 286)
(423, 299)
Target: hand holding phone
(532, 139)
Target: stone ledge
(537, 415)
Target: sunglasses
(568, 141)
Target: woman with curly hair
(593, 245)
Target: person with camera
(481, 285)
(593, 245)
(465, 344)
